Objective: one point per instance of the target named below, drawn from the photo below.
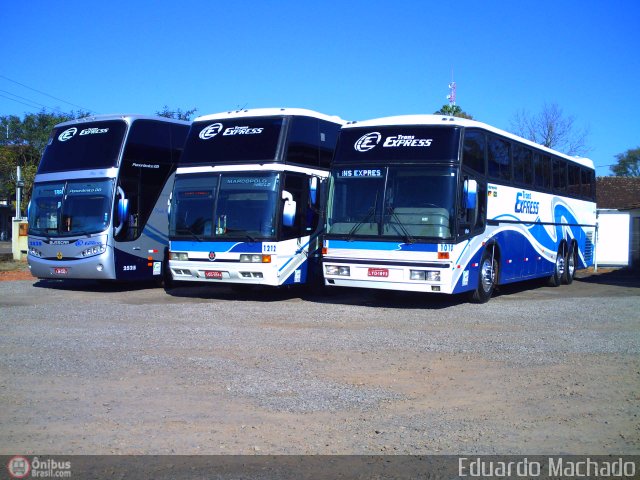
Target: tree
(177, 114)
(551, 129)
(453, 111)
(22, 143)
(628, 164)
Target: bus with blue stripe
(248, 201)
(429, 203)
(98, 209)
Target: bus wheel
(570, 266)
(558, 270)
(488, 278)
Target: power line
(30, 100)
(51, 96)
(18, 101)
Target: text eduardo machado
(555, 467)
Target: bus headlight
(35, 252)
(417, 275)
(182, 256)
(254, 258)
(336, 270)
(428, 275)
(97, 250)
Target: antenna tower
(452, 91)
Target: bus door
(301, 209)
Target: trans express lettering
(407, 141)
(524, 203)
(91, 131)
(242, 131)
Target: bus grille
(588, 249)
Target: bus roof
(271, 112)
(437, 120)
(127, 117)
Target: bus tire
(488, 277)
(558, 269)
(570, 266)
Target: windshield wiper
(187, 230)
(406, 235)
(364, 220)
(369, 214)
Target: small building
(618, 207)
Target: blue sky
(356, 59)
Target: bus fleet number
(268, 248)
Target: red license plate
(378, 272)
(213, 274)
(60, 270)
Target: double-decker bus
(100, 196)
(248, 199)
(429, 203)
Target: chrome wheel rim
(571, 265)
(487, 275)
(560, 265)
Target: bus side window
(146, 165)
(473, 151)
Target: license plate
(213, 274)
(60, 270)
(378, 272)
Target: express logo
(212, 256)
(210, 131)
(367, 142)
(67, 134)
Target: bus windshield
(77, 207)
(225, 206)
(405, 202)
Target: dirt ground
(537, 370)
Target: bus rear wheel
(570, 266)
(558, 270)
(487, 280)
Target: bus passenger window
(499, 158)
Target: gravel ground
(100, 369)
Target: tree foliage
(453, 111)
(177, 114)
(628, 164)
(22, 143)
(552, 129)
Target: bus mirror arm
(288, 209)
(123, 211)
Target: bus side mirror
(123, 210)
(313, 190)
(288, 209)
(470, 194)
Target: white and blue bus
(248, 200)
(429, 203)
(99, 203)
